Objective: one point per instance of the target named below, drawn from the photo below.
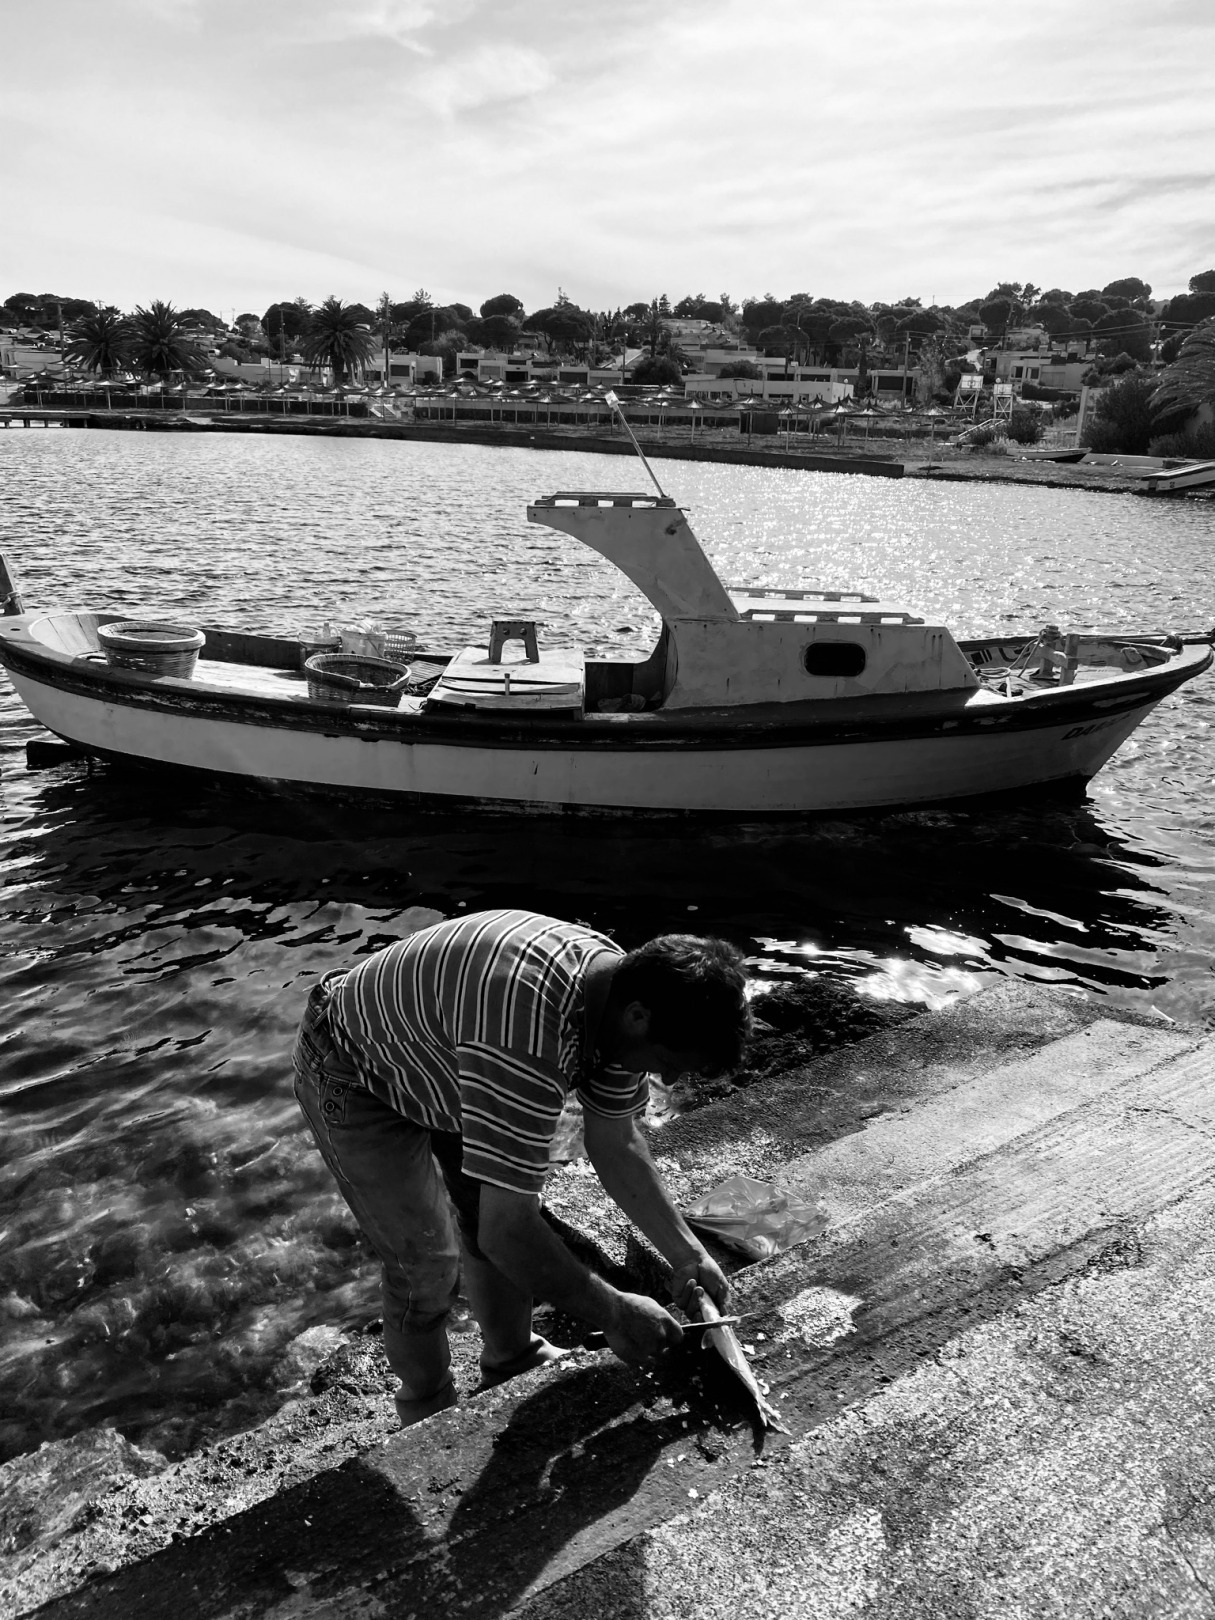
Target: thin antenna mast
(611, 399)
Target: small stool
(503, 630)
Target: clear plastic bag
(755, 1218)
(364, 638)
(567, 1143)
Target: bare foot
(538, 1354)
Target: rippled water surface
(165, 1230)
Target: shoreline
(942, 463)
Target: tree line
(1146, 412)
(1119, 319)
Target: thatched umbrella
(748, 406)
(868, 416)
(42, 382)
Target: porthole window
(834, 660)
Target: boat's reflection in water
(169, 1229)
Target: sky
(229, 153)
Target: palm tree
(100, 342)
(1190, 380)
(384, 314)
(158, 344)
(338, 337)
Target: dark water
(165, 1230)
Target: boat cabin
(744, 647)
(725, 648)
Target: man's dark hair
(696, 993)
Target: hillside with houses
(1131, 370)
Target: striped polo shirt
(476, 1025)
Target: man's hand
(702, 1271)
(622, 1161)
(640, 1329)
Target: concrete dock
(994, 1363)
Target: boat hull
(596, 766)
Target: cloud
(865, 151)
(490, 76)
(398, 21)
(181, 13)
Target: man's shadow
(399, 1523)
(558, 1486)
(565, 1481)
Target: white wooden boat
(1195, 475)
(754, 701)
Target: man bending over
(444, 1062)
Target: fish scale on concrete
(487, 1506)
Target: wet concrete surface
(914, 1350)
(767, 1128)
(1057, 1462)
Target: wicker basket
(351, 678)
(151, 647)
(399, 645)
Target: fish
(721, 1337)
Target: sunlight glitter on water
(168, 1230)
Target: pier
(26, 416)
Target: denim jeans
(399, 1179)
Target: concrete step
(884, 1113)
(487, 1506)
(926, 1139)
(1057, 1462)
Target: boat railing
(585, 497)
(774, 602)
(774, 592)
(814, 613)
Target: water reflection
(166, 1227)
(215, 883)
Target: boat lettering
(1084, 731)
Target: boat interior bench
(71, 633)
(555, 679)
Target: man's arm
(515, 1238)
(623, 1164)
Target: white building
(404, 369)
(21, 358)
(1046, 368)
(801, 384)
